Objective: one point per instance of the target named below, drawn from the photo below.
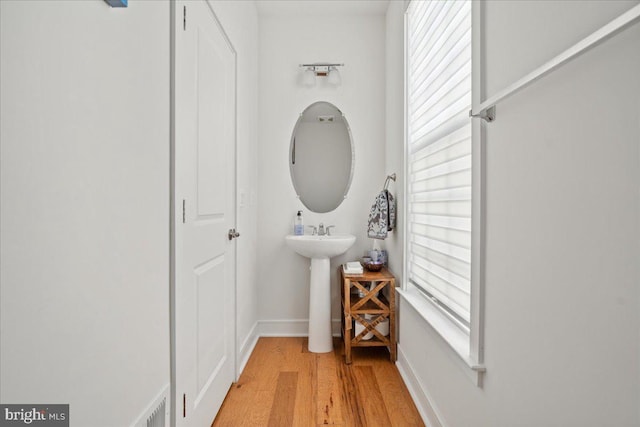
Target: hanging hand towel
(379, 217)
(391, 207)
(382, 217)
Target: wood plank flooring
(285, 385)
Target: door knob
(233, 234)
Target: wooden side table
(381, 307)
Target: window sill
(456, 339)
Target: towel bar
(386, 182)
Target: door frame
(174, 203)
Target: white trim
(141, 420)
(592, 40)
(476, 336)
(336, 326)
(291, 328)
(245, 350)
(423, 401)
(405, 160)
(456, 339)
(172, 207)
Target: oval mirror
(321, 157)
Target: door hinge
(184, 211)
(184, 405)
(184, 18)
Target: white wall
(562, 344)
(84, 310)
(240, 21)
(287, 40)
(521, 41)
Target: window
(439, 164)
(444, 263)
(443, 175)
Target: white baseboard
(163, 394)
(336, 326)
(283, 328)
(418, 392)
(245, 350)
(291, 328)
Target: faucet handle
(328, 229)
(314, 229)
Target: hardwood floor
(285, 385)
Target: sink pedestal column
(320, 339)
(320, 249)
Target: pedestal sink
(320, 249)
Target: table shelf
(379, 302)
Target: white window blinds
(439, 152)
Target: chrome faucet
(324, 231)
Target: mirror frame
(292, 148)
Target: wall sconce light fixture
(321, 69)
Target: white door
(204, 289)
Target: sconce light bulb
(334, 77)
(309, 77)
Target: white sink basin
(321, 246)
(320, 249)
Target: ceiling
(322, 7)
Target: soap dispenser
(298, 228)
